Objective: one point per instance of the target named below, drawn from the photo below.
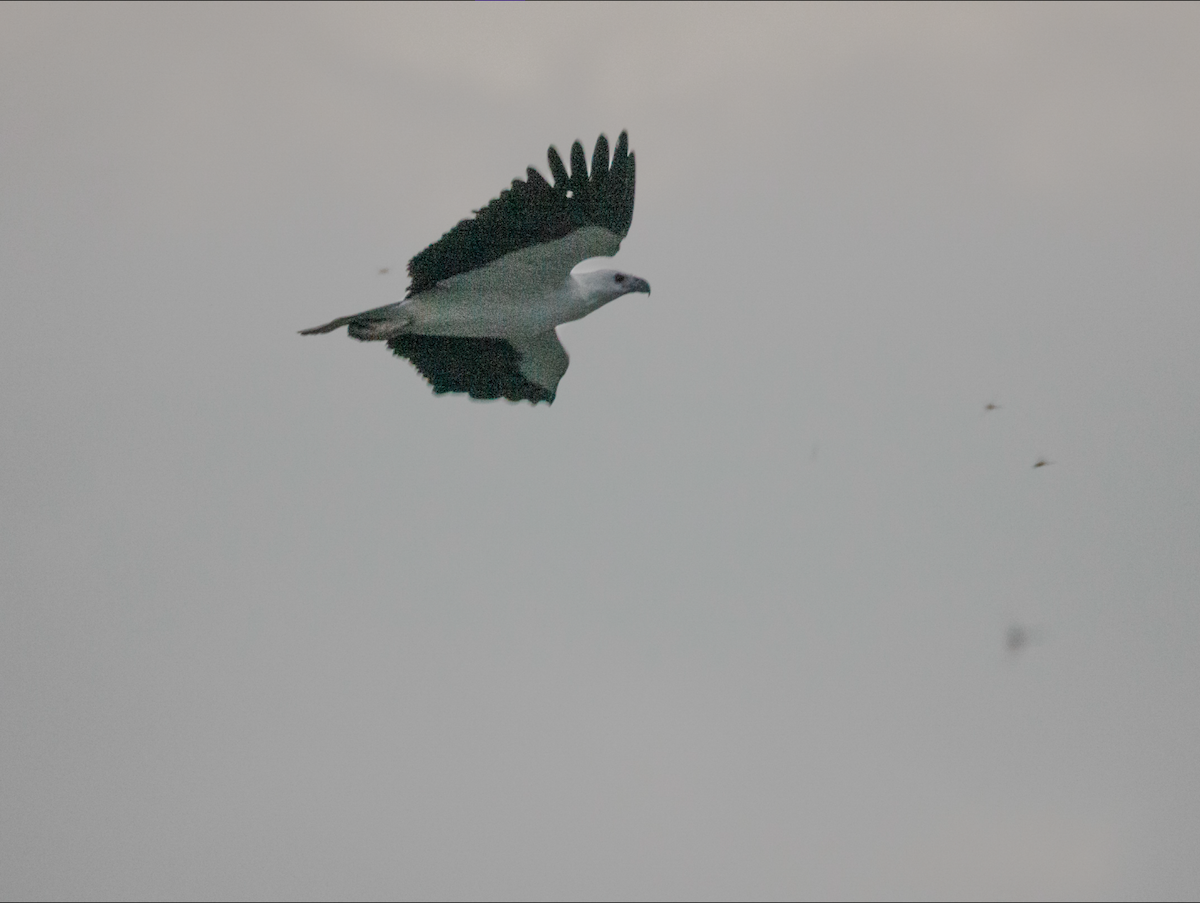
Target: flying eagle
(484, 299)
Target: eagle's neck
(589, 292)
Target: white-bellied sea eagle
(484, 299)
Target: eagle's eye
(620, 277)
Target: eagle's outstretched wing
(598, 208)
(515, 368)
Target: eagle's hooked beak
(639, 285)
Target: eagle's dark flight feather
(482, 367)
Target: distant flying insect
(991, 406)
(1042, 462)
(1016, 638)
(484, 300)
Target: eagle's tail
(328, 327)
(369, 326)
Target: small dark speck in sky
(1016, 638)
(1042, 462)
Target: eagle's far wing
(547, 228)
(516, 368)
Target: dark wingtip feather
(579, 174)
(557, 170)
(600, 159)
(535, 179)
(630, 188)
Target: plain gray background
(729, 618)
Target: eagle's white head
(602, 286)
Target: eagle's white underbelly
(466, 311)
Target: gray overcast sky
(728, 619)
